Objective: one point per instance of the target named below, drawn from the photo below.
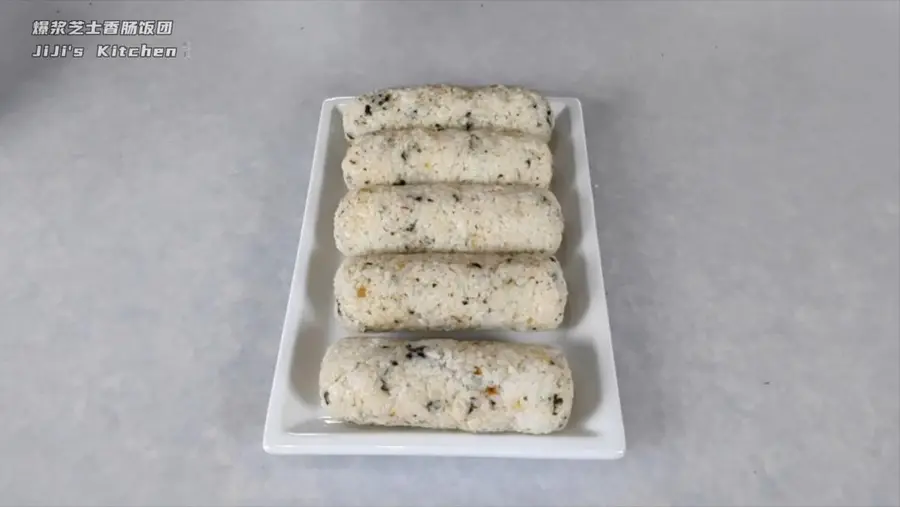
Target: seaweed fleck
(557, 401)
(415, 351)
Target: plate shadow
(318, 314)
(584, 362)
(565, 187)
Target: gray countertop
(745, 157)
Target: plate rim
(277, 441)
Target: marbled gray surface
(746, 162)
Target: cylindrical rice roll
(448, 218)
(474, 386)
(498, 107)
(449, 156)
(523, 292)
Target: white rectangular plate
(295, 424)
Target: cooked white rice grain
(498, 107)
(525, 292)
(448, 218)
(450, 156)
(474, 386)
